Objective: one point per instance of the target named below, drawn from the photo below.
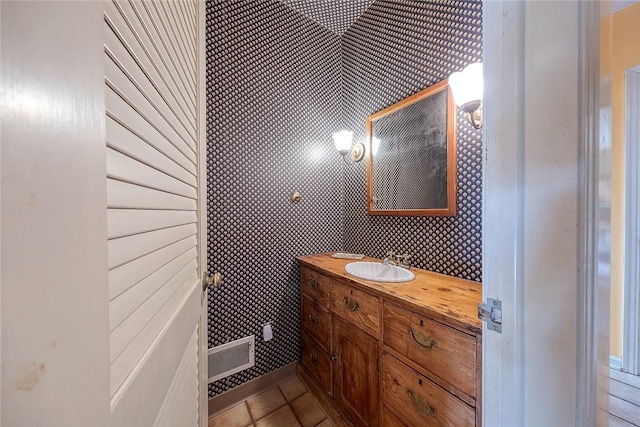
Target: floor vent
(232, 357)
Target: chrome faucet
(400, 260)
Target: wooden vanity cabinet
(443, 352)
(345, 335)
(378, 361)
(355, 373)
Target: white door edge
(201, 70)
(503, 53)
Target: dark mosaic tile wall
(336, 15)
(393, 50)
(273, 84)
(278, 85)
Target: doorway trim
(594, 284)
(517, 149)
(631, 329)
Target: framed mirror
(411, 160)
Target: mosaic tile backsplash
(278, 85)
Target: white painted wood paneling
(134, 324)
(177, 408)
(120, 84)
(122, 195)
(171, 43)
(125, 222)
(126, 249)
(130, 359)
(139, 399)
(127, 142)
(125, 168)
(123, 112)
(153, 163)
(133, 34)
(125, 304)
(127, 275)
(128, 59)
(146, 17)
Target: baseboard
(231, 398)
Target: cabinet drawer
(421, 401)
(318, 362)
(315, 286)
(359, 308)
(316, 322)
(443, 351)
(390, 420)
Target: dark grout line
(294, 413)
(246, 405)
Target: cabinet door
(355, 373)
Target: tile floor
(288, 404)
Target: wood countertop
(445, 298)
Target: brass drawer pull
(351, 304)
(423, 342)
(421, 406)
(314, 320)
(314, 359)
(334, 358)
(314, 283)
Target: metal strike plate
(491, 312)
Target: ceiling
(339, 15)
(336, 15)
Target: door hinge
(491, 312)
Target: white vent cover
(232, 357)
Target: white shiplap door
(154, 138)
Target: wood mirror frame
(447, 208)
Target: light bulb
(342, 141)
(467, 85)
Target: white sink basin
(378, 272)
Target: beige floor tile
(266, 402)
(283, 417)
(238, 416)
(308, 410)
(293, 388)
(326, 423)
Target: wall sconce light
(467, 89)
(343, 142)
